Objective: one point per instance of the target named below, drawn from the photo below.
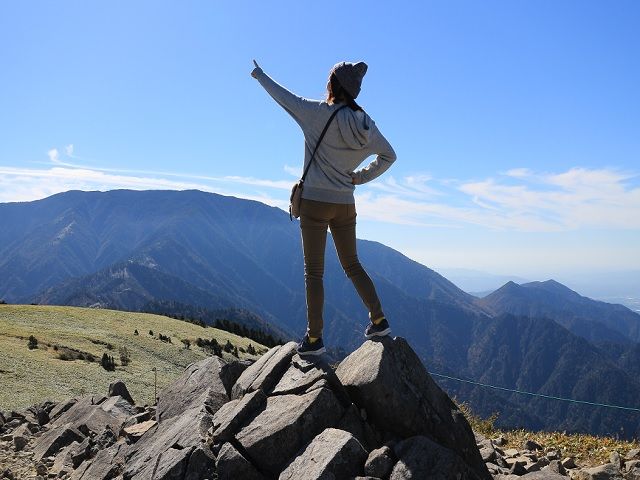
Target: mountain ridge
(592, 319)
(227, 252)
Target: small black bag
(296, 192)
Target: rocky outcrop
(535, 462)
(281, 417)
(387, 379)
(184, 415)
(379, 415)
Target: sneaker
(307, 348)
(379, 330)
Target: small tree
(235, 351)
(136, 332)
(187, 343)
(216, 348)
(33, 342)
(125, 359)
(251, 350)
(151, 332)
(107, 362)
(228, 347)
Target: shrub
(228, 347)
(136, 332)
(235, 351)
(187, 343)
(64, 356)
(33, 342)
(107, 362)
(164, 338)
(125, 358)
(109, 346)
(151, 332)
(211, 346)
(251, 350)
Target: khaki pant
(341, 218)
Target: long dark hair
(336, 93)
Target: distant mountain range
(142, 250)
(596, 321)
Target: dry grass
(588, 450)
(31, 376)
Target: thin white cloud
(69, 150)
(293, 171)
(577, 198)
(278, 184)
(519, 199)
(53, 155)
(415, 186)
(24, 184)
(518, 172)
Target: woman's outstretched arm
(295, 105)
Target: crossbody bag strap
(319, 140)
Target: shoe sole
(312, 353)
(382, 333)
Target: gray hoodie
(350, 139)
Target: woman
(327, 197)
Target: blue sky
(516, 123)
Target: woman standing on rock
(327, 197)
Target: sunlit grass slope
(31, 376)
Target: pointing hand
(256, 70)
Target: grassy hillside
(31, 376)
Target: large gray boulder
(608, 471)
(95, 413)
(181, 432)
(54, 440)
(118, 388)
(61, 407)
(201, 384)
(231, 465)
(334, 454)
(387, 379)
(171, 464)
(288, 422)
(177, 444)
(233, 414)
(265, 373)
(379, 462)
(420, 457)
(201, 464)
(107, 464)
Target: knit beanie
(350, 76)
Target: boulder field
(378, 415)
